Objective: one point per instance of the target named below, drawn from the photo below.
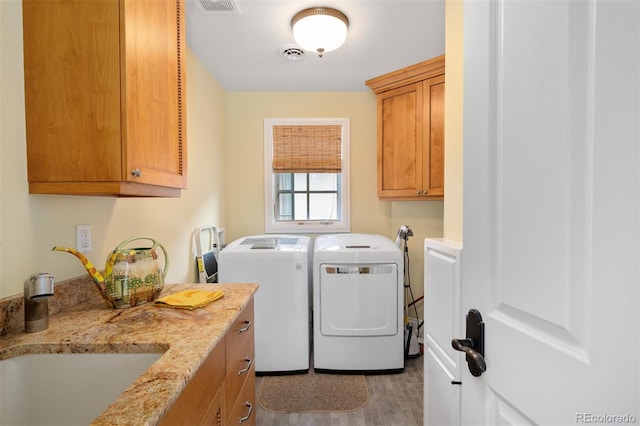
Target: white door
(551, 210)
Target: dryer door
(359, 300)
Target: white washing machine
(281, 265)
(358, 303)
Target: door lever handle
(473, 345)
(477, 364)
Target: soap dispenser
(37, 290)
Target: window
(306, 175)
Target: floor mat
(313, 392)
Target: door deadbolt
(473, 345)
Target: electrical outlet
(83, 238)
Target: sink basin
(65, 389)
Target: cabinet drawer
(240, 355)
(244, 410)
(193, 406)
(236, 379)
(240, 340)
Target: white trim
(306, 227)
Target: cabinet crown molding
(408, 75)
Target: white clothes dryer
(358, 294)
(281, 266)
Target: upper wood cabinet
(411, 131)
(105, 97)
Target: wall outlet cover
(83, 238)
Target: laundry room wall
(246, 112)
(453, 125)
(30, 225)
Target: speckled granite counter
(185, 337)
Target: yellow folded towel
(189, 299)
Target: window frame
(308, 192)
(306, 226)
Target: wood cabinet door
(217, 414)
(153, 92)
(202, 400)
(400, 142)
(433, 138)
(72, 90)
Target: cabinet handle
(418, 192)
(136, 172)
(249, 361)
(425, 192)
(245, 418)
(246, 327)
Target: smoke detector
(293, 53)
(210, 7)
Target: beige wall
(454, 47)
(245, 168)
(30, 225)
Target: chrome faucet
(37, 289)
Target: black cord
(407, 284)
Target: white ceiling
(244, 49)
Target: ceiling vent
(209, 7)
(293, 53)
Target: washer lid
(270, 242)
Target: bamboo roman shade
(307, 149)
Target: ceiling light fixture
(319, 29)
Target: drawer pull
(246, 327)
(249, 361)
(248, 416)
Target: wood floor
(394, 400)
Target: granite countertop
(185, 337)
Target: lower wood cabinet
(240, 377)
(223, 390)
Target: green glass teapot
(132, 276)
